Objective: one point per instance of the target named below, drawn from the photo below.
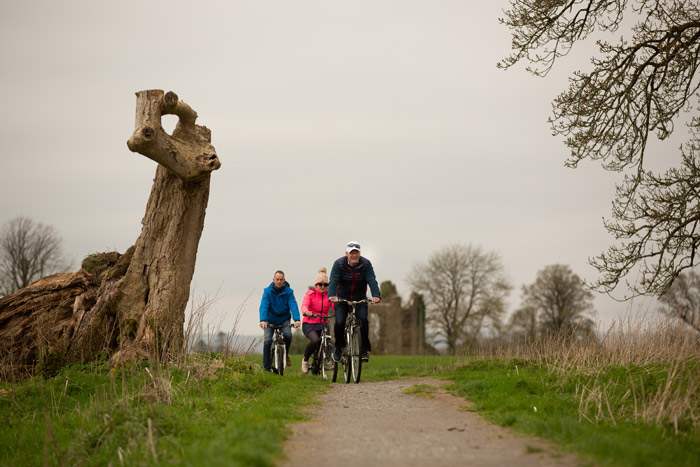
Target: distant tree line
(465, 289)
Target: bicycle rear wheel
(356, 355)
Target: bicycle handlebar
(357, 302)
(314, 315)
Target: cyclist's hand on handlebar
(333, 299)
(263, 324)
(375, 299)
(297, 324)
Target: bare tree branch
(28, 252)
(463, 286)
(557, 302)
(637, 88)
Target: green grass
(386, 367)
(233, 417)
(214, 411)
(534, 401)
(421, 390)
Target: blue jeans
(341, 314)
(267, 343)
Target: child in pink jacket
(315, 302)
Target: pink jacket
(315, 302)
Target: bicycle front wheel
(325, 357)
(281, 358)
(273, 358)
(347, 357)
(356, 355)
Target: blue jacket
(350, 282)
(275, 306)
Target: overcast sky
(385, 122)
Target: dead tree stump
(133, 307)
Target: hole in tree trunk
(169, 122)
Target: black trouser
(341, 313)
(314, 340)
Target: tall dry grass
(642, 368)
(199, 328)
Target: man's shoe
(304, 366)
(365, 356)
(289, 361)
(336, 357)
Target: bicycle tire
(356, 354)
(281, 359)
(322, 366)
(326, 358)
(273, 358)
(347, 357)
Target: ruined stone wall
(397, 329)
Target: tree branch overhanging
(636, 88)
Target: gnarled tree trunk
(152, 297)
(131, 305)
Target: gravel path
(392, 428)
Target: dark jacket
(350, 282)
(276, 306)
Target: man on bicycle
(350, 276)
(277, 304)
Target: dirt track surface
(392, 428)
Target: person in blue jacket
(350, 276)
(277, 304)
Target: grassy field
(208, 412)
(529, 398)
(616, 402)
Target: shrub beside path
(427, 426)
